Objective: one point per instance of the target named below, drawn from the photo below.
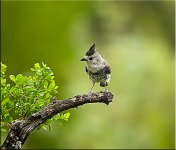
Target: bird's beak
(84, 59)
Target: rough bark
(20, 129)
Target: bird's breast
(94, 67)
(98, 75)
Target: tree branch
(20, 129)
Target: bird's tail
(103, 84)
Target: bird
(97, 68)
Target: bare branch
(21, 129)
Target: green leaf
(12, 77)
(44, 127)
(37, 66)
(56, 87)
(26, 104)
(51, 86)
(41, 104)
(47, 96)
(6, 115)
(3, 81)
(3, 68)
(19, 77)
(32, 69)
(44, 65)
(45, 84)
(66, 116)
(3, 103)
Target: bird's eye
(90, 58)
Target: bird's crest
(91, 50)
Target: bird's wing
(86, 69)
(107, 67)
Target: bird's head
(91, 56)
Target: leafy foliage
(28, 95)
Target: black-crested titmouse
(97, 68)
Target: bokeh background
(138, 40)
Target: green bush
(27, 95)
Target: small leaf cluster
(6, 104)
(59, 118)
(27, 94)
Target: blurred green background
(136, 38)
